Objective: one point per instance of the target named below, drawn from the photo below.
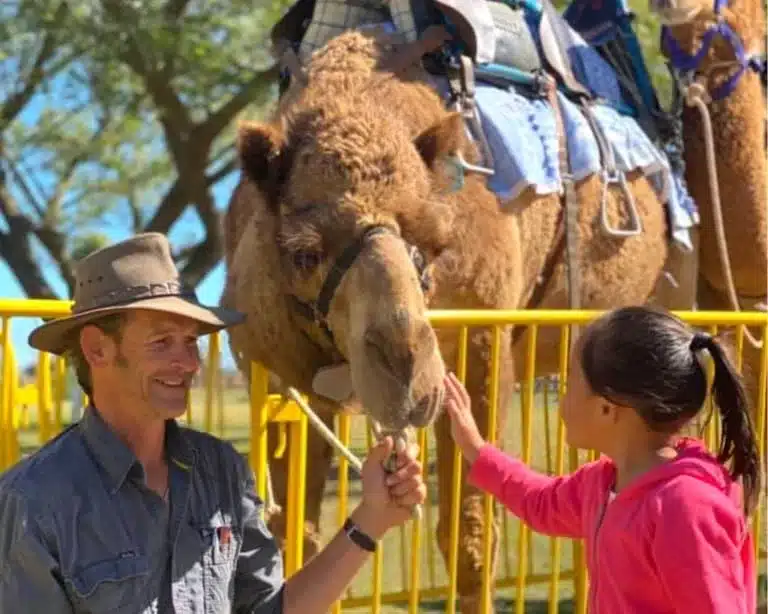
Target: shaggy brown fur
(355, 147)
(739, 131)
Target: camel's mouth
(335, 383)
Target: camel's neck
(738, 130)
(738, 120)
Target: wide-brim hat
(138, 273)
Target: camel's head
(716, 39)
(358, 226)
(678, 12)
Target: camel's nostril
(420, 413)
(426, 408)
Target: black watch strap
(358, 537)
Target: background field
(396, 547)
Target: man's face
(152, 366)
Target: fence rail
(527, 561)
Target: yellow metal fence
(412, 572)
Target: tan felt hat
(138, 273)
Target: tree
(121, 113)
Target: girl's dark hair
(647, 359)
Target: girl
(664, 521)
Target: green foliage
(105, 105)
(647, 28)
(84, 244)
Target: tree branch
(55, 243)
(24, 186)
(209, 251)
(16, 250)
(53, 210)
(135, 210)
(15, 103)
(220, 119)
(174, 9)
(176, 199)
(171, 207)
(173, 115)
(225, 169)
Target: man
(126, 511)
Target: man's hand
(387, 502)
(389, 498)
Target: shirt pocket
(114, 585)
(221, 546)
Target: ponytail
(738, 442)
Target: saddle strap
(461, 81)
(558, 246)
(566, 231)
(410, 53)
(570, 203)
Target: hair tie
(701, 341)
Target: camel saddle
(494, 34)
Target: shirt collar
(117, 459)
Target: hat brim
(54, 336)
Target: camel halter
(689, 64)
(693, 83)
(317, 311)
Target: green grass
(396, 546)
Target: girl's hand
(463, 427)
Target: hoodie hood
(693, 461)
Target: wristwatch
(366, 542)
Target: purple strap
(685, 62)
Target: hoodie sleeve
(698, 545)
(550, 505)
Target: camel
(738, 118)
(355, 174)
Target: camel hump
(497, 64)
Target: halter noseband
(317, 311)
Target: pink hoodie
(675, 541)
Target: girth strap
(571, 215)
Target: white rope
(696, 95)
(334, 441)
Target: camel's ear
(441, 140)
(261, 149)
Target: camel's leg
(470, 569)
(319, 456)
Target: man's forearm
(321, 582)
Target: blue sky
(208, 291)
(186, 228)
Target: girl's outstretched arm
(551, 505)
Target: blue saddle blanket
(521, 133)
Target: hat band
(137, 293)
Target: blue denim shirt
(80, 532)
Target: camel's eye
(306, 261)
